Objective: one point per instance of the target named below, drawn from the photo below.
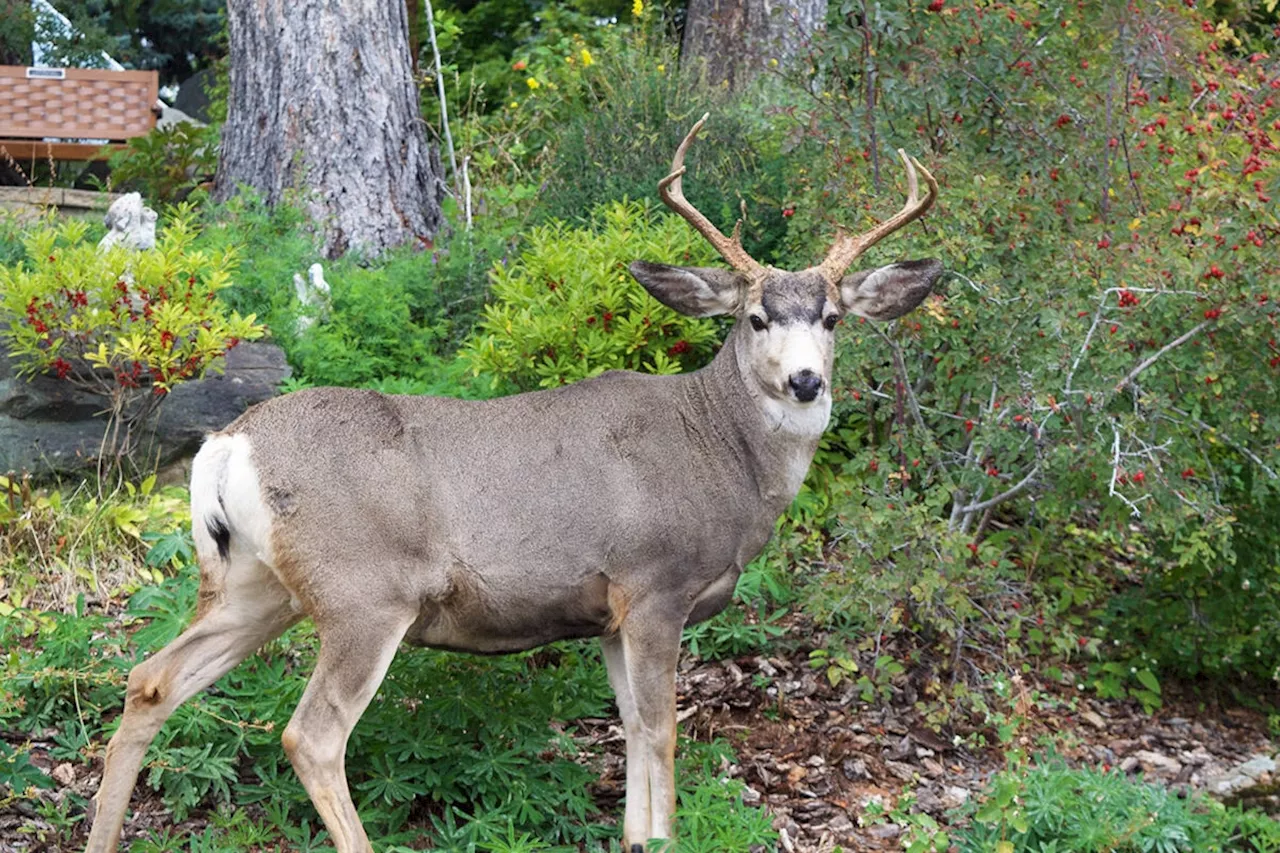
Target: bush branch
(1147, 362)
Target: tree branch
(1145, 363)
(1012, 492)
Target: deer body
(624, 506)
(440, 493)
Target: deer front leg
(641, 660)
(353, 660)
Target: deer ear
(695, 291)
(888, 292)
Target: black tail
(221, 536)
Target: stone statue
(313, 293)
(131, 224)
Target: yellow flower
(532, 83)
(637, 7)
(586, 58)
(662, 69)
(515, 104)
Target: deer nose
(806, 385)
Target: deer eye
(758, 323)
(829, 322)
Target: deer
(622, 507)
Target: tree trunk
(732, 41)
(323, 108)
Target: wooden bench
(48, 113)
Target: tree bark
(323, 110)
(733, 41)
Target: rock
(1256, 766)
(170, 116)
(1197, 757)
(193, 94)
(1155, 764)
(1122, 746)
(1256, 771)
(953, 797)
(49, 428)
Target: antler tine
(672, 192)
(848, 247)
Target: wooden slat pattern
(87, 104)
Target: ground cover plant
(1052, 490)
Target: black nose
(806, 384)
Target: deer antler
(847, 247)
(673, 197)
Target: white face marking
(779, 353)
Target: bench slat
(85, 104)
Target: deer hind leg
(354, 657)
(641, 659)
(230, 627)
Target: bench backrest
(75, 103)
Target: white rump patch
(225, 492)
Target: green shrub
(401, 318)
(391, 324)
(167, 163)
(12, 230)
(568, 308)
(620, 146)
(272, 244)
(126, 325)
(1209, 606)
(1089, 398)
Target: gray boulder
(49, 429)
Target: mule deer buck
(624, 507)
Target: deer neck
(772, 440)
